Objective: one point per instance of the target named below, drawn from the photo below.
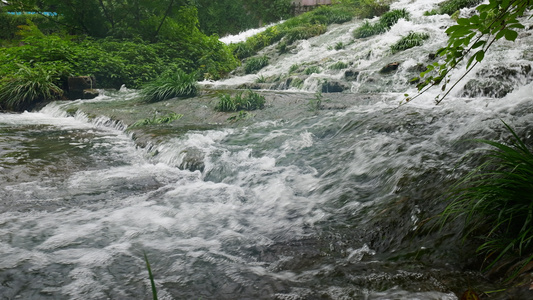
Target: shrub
(411, 40)
(249, 101)
(169, 85)
(338, 66)
(29, 86)
(255, 64)
(496, 200)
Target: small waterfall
(328, 204)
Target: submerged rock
(334, 87)
(192, 159)
(390, 67)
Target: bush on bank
(112, 62)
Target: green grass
(311, 70)
(386, 21)
(169, 85)
(338, 66)
(308, 25)
(411, 40)
(151, 276)
(496, 201)
(255, 64)
(297, 83)
(241, 101)
(450, 7)
(29, 86)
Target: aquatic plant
(411, 40)
(29, 86)
(157, 120)
(255, 64)
(170, 84)
(496, 201)
(249, 101)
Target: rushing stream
(328, 206)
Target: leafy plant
(411, 40)
(29, 86)
(255, 64)
(169, 118)
(496, 201)
(169, 85)
(249, 101)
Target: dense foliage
(232, 16)
(132, 59)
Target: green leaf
(478, 44)
(480, 55)
(511, 35)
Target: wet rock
(351, 75)
(390, 68)
(192, 159)
(90, 94)
(334, 87)
(78, 84)
(487, 88)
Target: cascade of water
(325, 205)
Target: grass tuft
(411, 40)
(386, 21)
(255, 64)
(169, 85)
(496, 201)
(29, 86)
(249, 101)
(338, 66)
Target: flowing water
(326, 206)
